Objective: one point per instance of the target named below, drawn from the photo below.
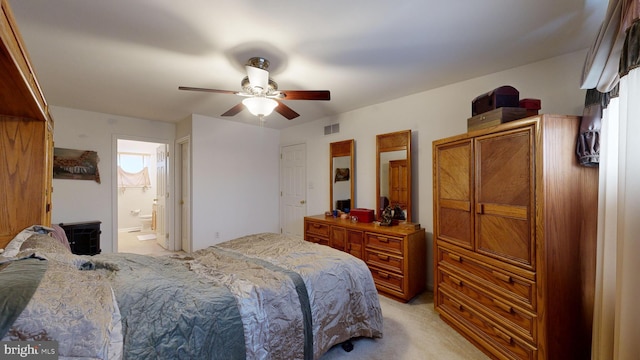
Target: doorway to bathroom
(141, 177)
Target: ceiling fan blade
(306, 94)
(258, 78)
(286, 111)
(208, 90)
(234, 110)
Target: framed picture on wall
(75, 164)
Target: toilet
(145, 220)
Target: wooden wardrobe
(26, 137)
(515, 220)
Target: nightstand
(84, 237)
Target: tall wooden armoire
(26, 137)
(514, 238)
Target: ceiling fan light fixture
(260, 106)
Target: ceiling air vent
(332, 129)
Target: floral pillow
(13, 247)
(45, 243)
(49, 248)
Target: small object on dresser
(363, 215)
(531, 105)
(504, 96)
(392, 215)
(495, 117)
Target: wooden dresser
(26, 137)
(514, 238)
(396, 255)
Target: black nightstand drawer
(84, 237)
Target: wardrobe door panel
(504, 196)
(506, 238)
(453, 193)
(23, 176)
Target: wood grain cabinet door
(505, 195)
(453, 193)
(23, 176)
(338, 238)
(355, 243)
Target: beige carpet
(411, 331)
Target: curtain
(588, 144)
(627, 312)
(600, 69)
(139, 179)
(616, 320)
(605, 286)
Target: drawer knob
(383, 275)
(456, 304)
(499, 333)
(383, 239)
(454, 257)
(383, 257)
(500, 276)
(503, 306)
(456, 281)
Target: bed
(262, 296)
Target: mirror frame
(395, 141)
(338, 149)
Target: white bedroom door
(162, 237)
(185, 203)
(293, 201)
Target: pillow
(13, 247)
(59, 234)
(79, 262)
(49, 248)
(45, 243)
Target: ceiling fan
(261, 93)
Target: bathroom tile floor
(128, 243)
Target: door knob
(302, 202)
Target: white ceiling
(128, 57)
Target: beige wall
(82, 200)
(234, 177)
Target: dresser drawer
(384, 260)
(388, 280)
(385, 243)
(511, 286)
(317, 239)
(500, 341)
(314, 228)
(518, 320)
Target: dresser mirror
(341, 178)
(393, 168)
